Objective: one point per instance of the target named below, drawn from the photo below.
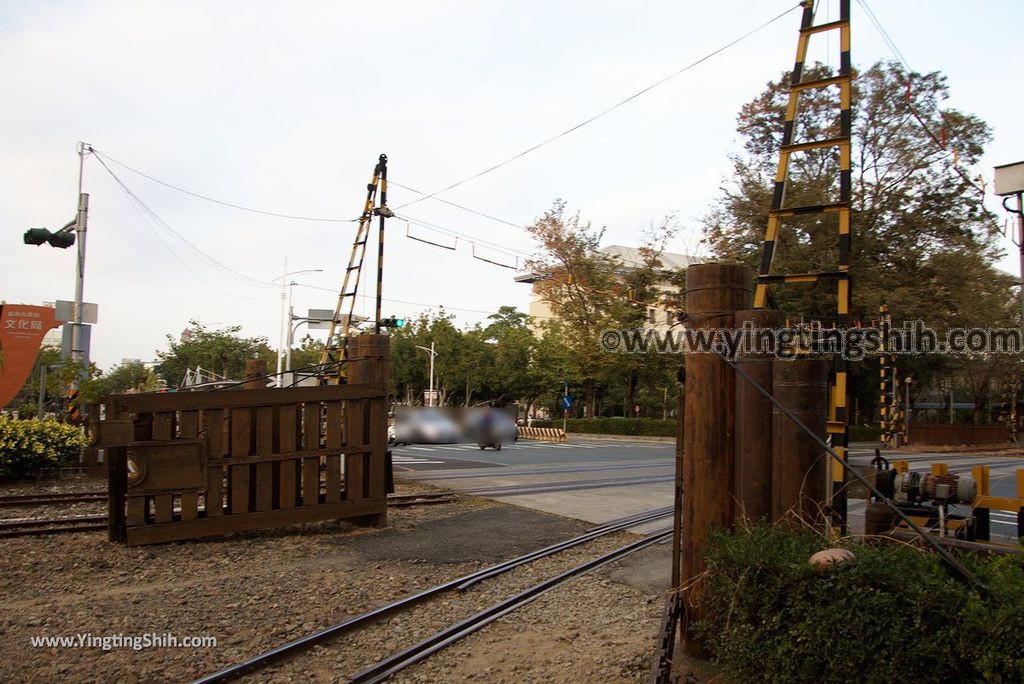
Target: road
(617, 478)
(596, 467)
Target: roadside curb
(572, 436)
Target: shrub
(892, 615)
(622, 426)
(29, 445)
(864, 433)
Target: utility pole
(81, 224)
(280, 328)
(42, 391)
(384, 213)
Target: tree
(129, 376)
(922, 238)
(591, 292)
(222, 351)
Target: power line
(429, 306)
(597, 116)
(183, 241)
(510, 251)
(197, 195)
(458, 206)
(939, 142)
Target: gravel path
(255, 591)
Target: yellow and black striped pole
(838, 396)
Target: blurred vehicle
(489, 427)
(425, 426)
(391, 433)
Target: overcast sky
(285, 107)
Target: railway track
(388, 666)
(67, 524)
(40, 526)
(23, 527)
(31, 500)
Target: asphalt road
(645, 469)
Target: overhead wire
(225, 270)
(424, 304)
(602, 113)
(100, 156)
(939, 141)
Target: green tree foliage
(222, 351)
(922, 239)
(590, 292)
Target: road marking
(398, 459)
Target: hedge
(622, 426)
(864, 433)
(893, 615)
(28, 446)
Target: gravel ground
(255, 591)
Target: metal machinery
(838, 207)
(334, 356)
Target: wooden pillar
(369, 360)
(714, 292)
(369, 365)
(799, 466)
(753, 481)
(255, 374)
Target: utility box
(1010, 179)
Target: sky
(285, 107)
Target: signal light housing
(61, 239)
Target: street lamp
(286, 310)
(1010, 182)
(432, 355)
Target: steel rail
(399, 661)
(357, 621)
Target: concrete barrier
(546, 434)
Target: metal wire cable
(207, 198)
(604, 112)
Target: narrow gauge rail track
(44, 526)
(29, 500)
(383, 669)
(33, 526)
(23, 527)
(392, 664)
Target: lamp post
(286, 310)
(1010, 182)
(432, 355)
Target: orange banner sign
(22, 328)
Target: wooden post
(369, 364)
(799, 467)
(714, 292)
(753, 483)
(255, 374)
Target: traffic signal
(393, 322)
(61, 239)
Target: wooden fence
(196, 464)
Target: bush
(864, 433)
(622, 426)
(892, 615)
(29, 445)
